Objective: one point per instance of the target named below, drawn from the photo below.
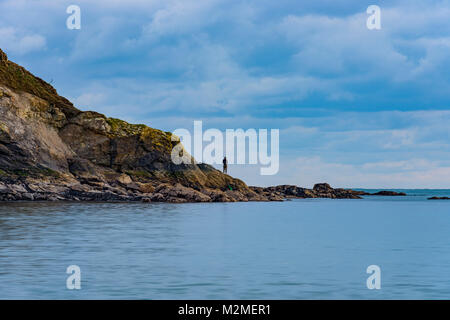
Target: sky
(355, 107)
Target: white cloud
(89, 100)
(182, 17)
(414, 173)
(307, 171)
(378, 156)
(19, 43)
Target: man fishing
(225, 164)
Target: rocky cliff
(50, 150)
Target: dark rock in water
(380, 193)
(322, 190)
(388, 193)
(359, 193)
(439, 198)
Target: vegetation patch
(122, 128)
(18, 78)
(21, 173)
(160, 140)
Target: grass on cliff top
(123, 128)
(158, 138)
(18, 78)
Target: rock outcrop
(388, 193)
(50, 150)
(320, 190)
(439, 198)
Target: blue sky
(355, 107)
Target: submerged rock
(388, 193)
(439, 198)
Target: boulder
(178, 193)
(3, 189)
(124, 179)
(146, 187)
(323, 188)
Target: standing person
(225, 165)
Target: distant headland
(51, 151)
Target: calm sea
(299, 249)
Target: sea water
(299, 249)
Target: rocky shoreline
(128, 191)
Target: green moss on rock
(122, 128)
(159, 139)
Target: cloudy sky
(355, 107)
